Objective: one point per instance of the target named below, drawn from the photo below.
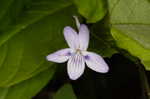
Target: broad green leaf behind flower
(25, 43)
(131, 27)
(27, 89)
(92, 10)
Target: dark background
(122, 82)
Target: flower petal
(71, 37)
(75, 66)
(95, 62)
(83, 37)
(60, 56)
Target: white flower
(77, 55)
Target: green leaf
(9, 10)
(136, 49)
(137, 11)
(4, 7)
(66, 92)
(92, 10)
(27, 89)
(131, 22)
(36, 32)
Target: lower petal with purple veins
(75, 66)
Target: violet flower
(77, 55)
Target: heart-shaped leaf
(27, 89)
(92, 10)
(36, 32)
(131, 27)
